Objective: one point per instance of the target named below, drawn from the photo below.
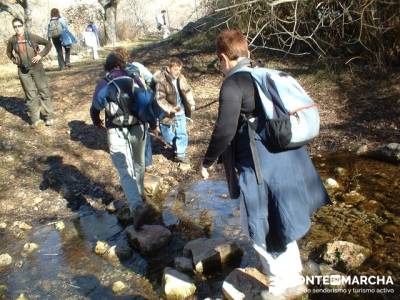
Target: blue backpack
(128, 105)
(291, 116)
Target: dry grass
(8, 71)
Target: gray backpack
(55, 28)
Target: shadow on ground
(16, 106)
(71, 183)
(89, 135)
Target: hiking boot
(49, 122)
(183, 160)
(35, 124)
(140, 214)
(124, 215)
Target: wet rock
(3, 291)
(345, 254)
(341, 172)
(60, 226)
(176, 285)
(37, 200)
(183, 264)
(22, 297)
(331, 183)
(362, 150)
(123, 250)
(390, 230)
(245, 283)
(5, 260)
(211, 255)
(389, 153)
(30, 248)
(3, 225)
(149, 238)
(19, 264)
(184, 167)
(46, 285)
(22, 225)
(101, 248)
(169, 218)
(118, 287)
(111, 254)
(115, 205)
(327, 270)
(311, 268)
(124, 215)
(151, 184)
(353, 197)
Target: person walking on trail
(91, 41)
(175, 98)
(94, 28)
(126, 141)
(23, 50)
(146, 80)
(275, 211)
(62, 38)
(162, 23)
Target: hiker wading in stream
(126, 141)
(275, 212)
(23, 50)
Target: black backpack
(120, 109)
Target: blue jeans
(176, 135)
(127, 153)
(148, 153)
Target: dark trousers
(60, 56)
(36, 88)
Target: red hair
(233, 44)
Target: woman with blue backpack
(62, 38)
(278, 188)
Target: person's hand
(204, 172)
(36, 59)
(154, 131)
(99, 124)
(176, 109)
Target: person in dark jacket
(23, 50)
(275, 211)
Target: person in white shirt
(90, 39)
(162, 23)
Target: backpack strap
(251, 129)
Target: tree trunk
(110, 30)
(110, 25)
(13, 8)
(27, 14)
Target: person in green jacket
(23, 50)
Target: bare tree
(351, 30)
(18, 9)
(110, 9)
